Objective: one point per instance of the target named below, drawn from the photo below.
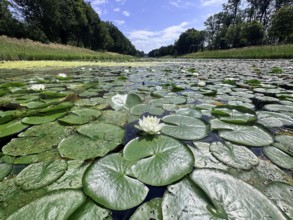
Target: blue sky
(150, 24)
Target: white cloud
(116, 9)
(126, 13)
(98, 6)
(119, 22)
(122, 2)
(98, 2)
(181, 3)
(149, 40)
(206, 3)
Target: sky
(150, 24)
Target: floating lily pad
(132, 100)
(284, 143)
(57, 108)
(234, 155)
(37, 139)
(279, 108)
(81, 116)
(5, 169)
(41, 157)
(281, 194)
(279, 157)
(89, 210)
(184, 127)
(11, 128)
(37, 120)
(274, 119)
(119, 118)
(102, 178)
(143, 108)
(55, 205)
(40, 174)
(189, 112)
(149, 210)
(242, 134)
(164, 154)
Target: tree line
(240, 23)
(72, 22)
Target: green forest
(241, 23)
(68, 22)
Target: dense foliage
(239, 24)
(72, 22)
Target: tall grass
(24, 49)
(257, 52)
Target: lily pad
(242, 134)
(143, 108)
(11, 128)
(5, 169)
(37, 139)
(159, 154)
(37, 120)
(274, 119)
(149, 210)
(102, 178)
(189, 112)
(89, 210)
(40, 174)
(184, 127)
(281, 194)
(58, 204)
(284, 143)
(132, 100)
(234, 155)
(279, 157)
(119, 118)
(81, 116)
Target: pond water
(63, 133)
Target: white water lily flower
(201, 83)
(37, 87)
(62, 75)
(150, 125)
(118, 101)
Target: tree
(252, 33)
(190, 41)
(282, 25)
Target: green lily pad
(5, 169)
(164, 154)
(119, 118)
(242, 134)
(11, 128)
(284, 143)
(149, 210)
(58, 204)
(279, 157)
(41, 157)
(143, 108)
(281, 194)
(72, 178)
(184, 127)
(89, 210)
(37, 120)
(35, 105)
(102, 178)
(274, 119)
(35, 140)
(57, 108)
(233, 155)
(189, 112)
(81, 116)
(132, 100)
(41, 174)
(204, 158)
(279, 108)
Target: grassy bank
(258, 52)
(23, 49)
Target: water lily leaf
(102, 178)
(184, 127)
(53, 94)
(281, 194)
(37, 120)
(171, 157)
(234, 155)
(149, 210)
(143, 108)
(204, 158)
(5, 169)
(35, 158)
(89, 210)
(241, 134)
(58, 204)
(274, 119)
(114, 117)
(81, 116)
(177, 100)
(233, 198)
(284, 143)
(57, 108)
(35, 105)
(35, 140)
(279, 108)
(189, 112)
(132, 100)
(72, 178)
(40, 174)
(279, 157)
(11, 128)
